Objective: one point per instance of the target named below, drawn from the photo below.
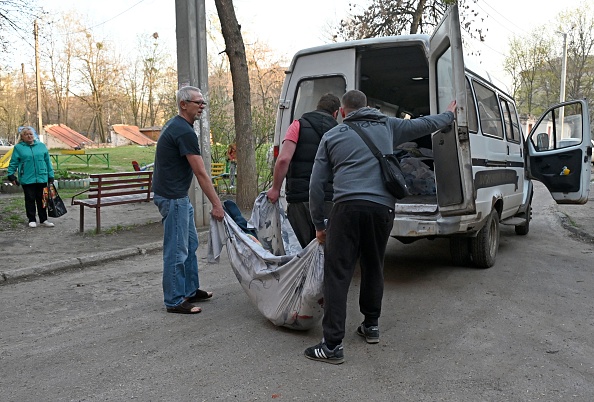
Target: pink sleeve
(293, 132)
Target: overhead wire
(106, 21)
(497, 21)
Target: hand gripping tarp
(282, 280)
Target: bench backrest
(117, 184)
(217, 169)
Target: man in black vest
(296, 160)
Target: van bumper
(435, 226)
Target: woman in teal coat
(31, 160)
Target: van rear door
(451, 147)
(560, 152)
(313, 73)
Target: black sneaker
(321, 353)
(371, 334)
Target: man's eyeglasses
(197, 102)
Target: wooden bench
(114, 189)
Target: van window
(559, 128)
(310, 91)
(511, 124)
(445, 84)
(488, 110)
(471, 109)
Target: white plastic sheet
(282, 280)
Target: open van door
(313, 73)
(451, 147)
(560, 152)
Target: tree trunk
(416, 17)
(247, 186)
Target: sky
(288, 26)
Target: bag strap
(376, 152)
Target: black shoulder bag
(391, 172)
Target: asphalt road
(520, 331)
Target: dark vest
(312, 125)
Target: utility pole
(192, 69)
(38, 83)
(563, 68)
(563, 75)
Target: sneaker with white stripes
(371, 334)
(321, 353)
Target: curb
(85, 261)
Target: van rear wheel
(485, 245)
(460, 251)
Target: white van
(482, 166)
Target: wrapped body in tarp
(283, 280)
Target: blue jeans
(180, 242)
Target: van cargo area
(396, 82)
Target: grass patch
(12, 212)
(120, 159)
(12, 209)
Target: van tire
(460, 251)
(485, 245)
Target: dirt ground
(122, 226)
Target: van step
(513, 221)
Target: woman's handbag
(55, 205)
(391, 172)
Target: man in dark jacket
(360, 222)
(296, 160)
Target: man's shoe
(32, 224)
(371, 334)
(47, 224)
(321, 353)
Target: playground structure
(5, 159)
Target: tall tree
(16, 18)
(57, 57)
(525, 62)
(235, 50)
(535, 62)
(12, 108)
(99, 71)
(398, 17)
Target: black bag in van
(391, 172)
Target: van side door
(451, 147)
(560, 152)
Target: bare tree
(525, 63)
(12, 108)
(99, 71)
(535, 61)
(235, 50)
(579, 26)
(16, 18)
(398, 17)
(57, 56)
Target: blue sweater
(356, 171)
